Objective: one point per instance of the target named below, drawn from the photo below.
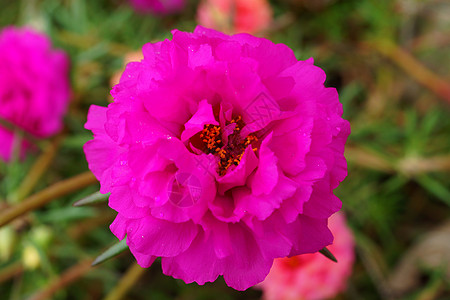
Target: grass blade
(111, 252)
(96, 197)
(327, 253)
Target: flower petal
(248, 266)
(152, 236)
(198, 263)
(204, 115)
(238, 176)
(266, 176)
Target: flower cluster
(221, 154)
(158, 6)
(34, 86)
(312, 276)
(235, 16)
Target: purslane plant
(221, 154)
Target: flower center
(230, 153)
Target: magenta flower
(34, 86)
(221, 153)
(313, 276)
(158, 6)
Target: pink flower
(158, 6)
(34, 86)
(221, 154)
(234, 16)
(313, 276)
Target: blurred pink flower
(34, 86)
(158, 6)
(234, 16)
(221, 153)
(313, 276)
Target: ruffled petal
(308, 235)
(143, 260)
(262, 206)
(197, 264)
(204, 115)
(323, 203)
(238, 176)
(121, 200)
(119, 226)
(101, 152)
(152, 236)
(248, 266)
(266, 176)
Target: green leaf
(327, 253)
(92, 199)
(434, 187)
(65, 214)
(111, 252)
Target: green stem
(413, 67)
(41, 198)
(10, 271)
(128, 280)
(63, 280)
(36, 171)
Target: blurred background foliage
(389, 61)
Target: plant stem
(10, 271)
(413, 67)
(128, 280)
(14, 129)
(48, 194)
(368, 159)
(63, 280)
(38, 168)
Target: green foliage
(398, 153)
(111, 252)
